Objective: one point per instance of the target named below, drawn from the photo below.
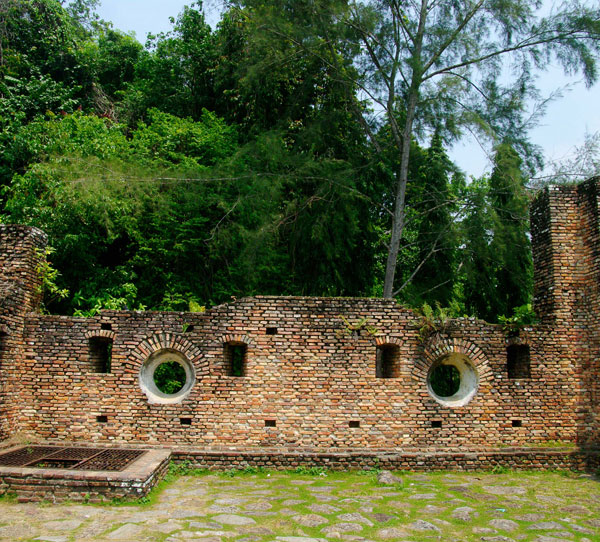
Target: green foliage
(435, 320)
(522, 316)
(169, 377)
(48, 289)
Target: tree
(498, 274)
(436, 64)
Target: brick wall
(20, 252)
(310, 375)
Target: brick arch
(236, 339)
(106, 333)
(444, 346)
(167, 341)
(384, 339)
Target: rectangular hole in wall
(387, 364)
(100, 351)
(270, 423)
(518, 361)
(2, 346)
(106, 326)
(517, 423)
(436, 424)
(353, 424)
(188, 328)
(102, 418)
(185, 421)
(235, 359)
(271, 331)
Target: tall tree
(430, 62)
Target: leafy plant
(48, 288)
(354, 329)
(433, 321)
(522, 316)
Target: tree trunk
(400, 203)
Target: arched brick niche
(461, 365)
(388, 363)
(100, 344)
(235, 355)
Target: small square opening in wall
(354, 424)
(106, 326)
(517, 423)
(270, 423)
(102, 418)
(235, 359)
(436, 424)
(185, 421)
(188, 328)
(100, 351)
(271, 331)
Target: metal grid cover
(53, 457)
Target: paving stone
(484, 530)
(422, 496)
(421, 525)
(231, 500)
(580, 528)
(530, 517)
(383, 518)
(505, 490)
(199, 525)
(391, 533)
(338, 528)
(299, 539)
(292, 502)
(545, 526)
(129, 531)
(576, 510)
(504, 524)
(498, 538)
(223, 509)
(387, 478)
(184, 513)
(323, 508)
(546, 538)
(233, 519)
(355, 517)
(310, 520)
(258, 506)
(65, 525)
(432, 509)
(169, 526)
(465, 513)
(52, 538)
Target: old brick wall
(310, 376)
(20, 252)
(312, 379)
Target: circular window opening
(167, 377)
(453, 380)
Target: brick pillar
(565, 231)
(21, 249)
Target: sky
(561, 130)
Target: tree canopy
(299, 148)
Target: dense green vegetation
(210, 164)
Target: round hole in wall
(453, 380)
(167, 377)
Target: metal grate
(114, 460)
(28, 454)
(53, 457)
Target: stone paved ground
(283, 507)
